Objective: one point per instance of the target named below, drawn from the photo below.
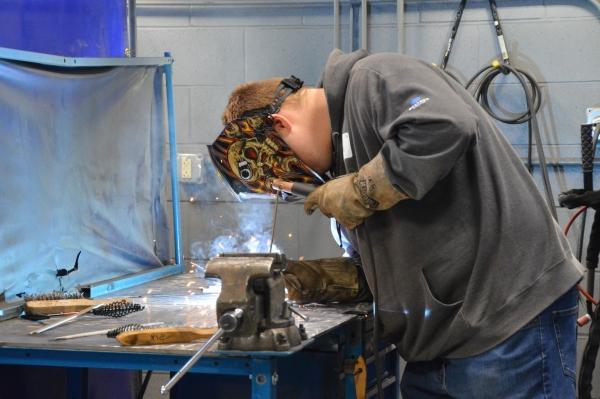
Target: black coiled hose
(487, 75)
(533, 96)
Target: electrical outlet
(186, 168)
(593, 115)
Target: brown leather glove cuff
(375, 190)
(325, 280)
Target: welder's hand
(325, 280)
(338, 198)
(352, 198)
(579, 197)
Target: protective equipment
(579, 197)
(353, 197)
(249, 154)
(326, 280)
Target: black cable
(588, 146)
(591, 259)
(459, 14)
(588, 361)
(533, 97)
(486, 76)
(144, 385)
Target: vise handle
(228, 322)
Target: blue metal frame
(264, 378)
(173, 154)
(261, 368)
(78, 62)
(107, 286)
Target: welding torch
(296, 188)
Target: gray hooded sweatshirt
(475, 253)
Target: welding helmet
(249, 154)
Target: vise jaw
(254, 283)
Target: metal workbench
(181, 300)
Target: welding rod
(297, 188)
(100, 332)
(228, 322)
(63, 321)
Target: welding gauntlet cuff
(354, 197)
(326, 280)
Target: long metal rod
(66, 320)
(336, 24)
(351, 26)
(132, 25)
(400, 25)
(173, 154)
(188, 365)
(363, 24)
(100, 332)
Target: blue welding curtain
(81, 169)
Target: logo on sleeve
(416, 102)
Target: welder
(473, 279)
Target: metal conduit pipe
(400, 25)
(363, 24)
(132, 28)
(336, 24)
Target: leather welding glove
(579, 197)
(352, 198)
(326, 280)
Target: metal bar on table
(104, 287)
(173, 154)
(66, 320)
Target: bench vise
(254, 283)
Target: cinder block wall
(219, 44)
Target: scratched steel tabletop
(186, 299)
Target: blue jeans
(537, 362)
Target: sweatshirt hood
(334, 81)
